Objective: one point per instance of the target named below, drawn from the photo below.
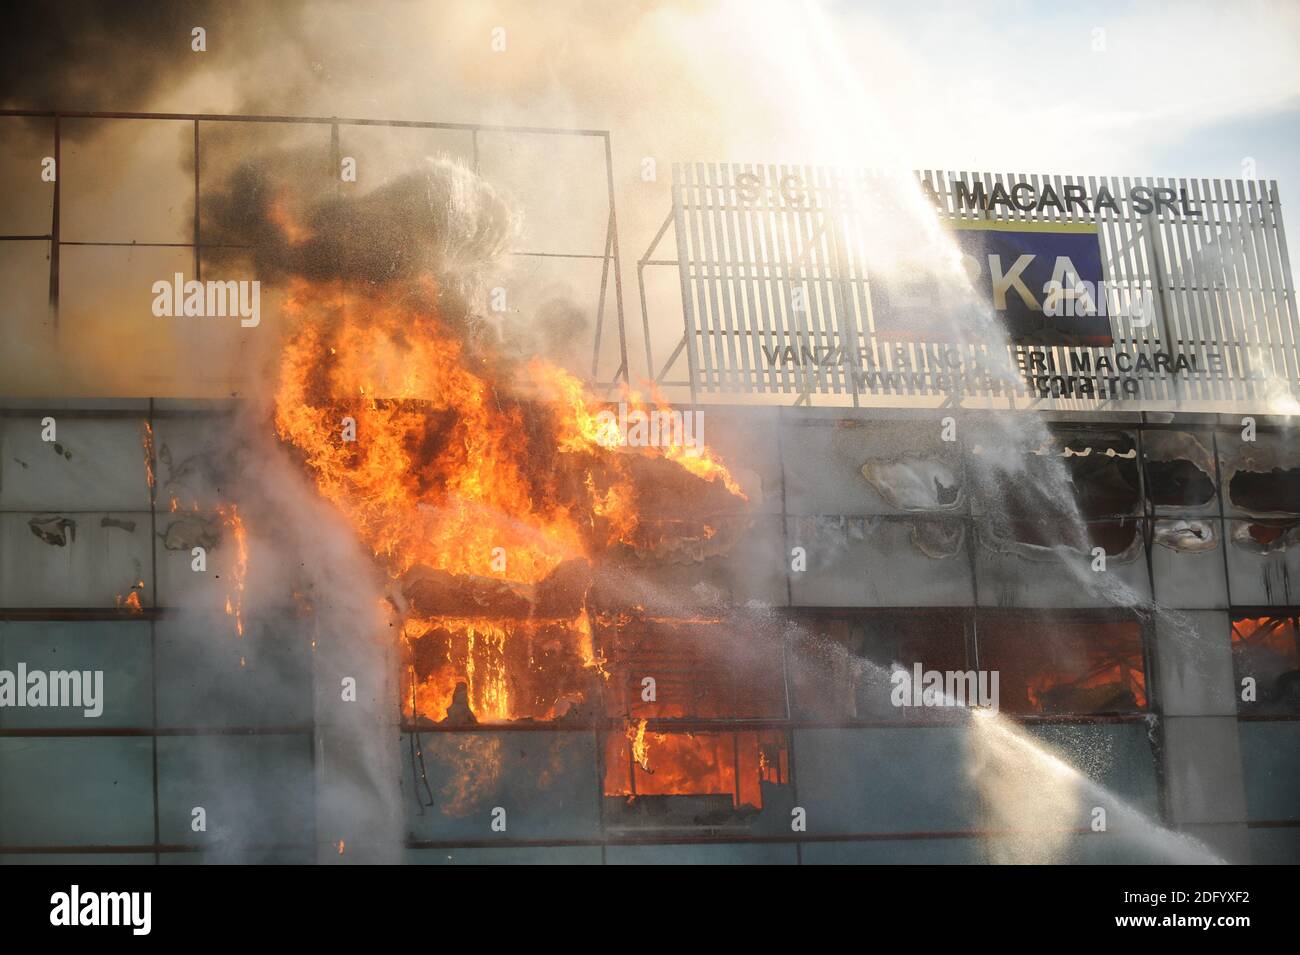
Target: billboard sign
(1111, 291)
(1041, 281)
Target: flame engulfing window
(720, 772)
(1048, 664)
(1266, 651)
(701, 669)
(483, 670)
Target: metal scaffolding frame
(608, 256)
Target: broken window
(1028, 490)
(463, 671)
(1262, 477)
(841, 665)
(673, 778)
(1266, 661)
(1180, 470)
(1063, 665)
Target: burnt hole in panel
(892, 465)
(915, 482)
(1102, 468)
(1262, 477)
(1070, 475)
(1043, 540)
(1175, 483)
(56, 531)
(1186, 536)
(1180, 469)
(1266, 492)
(1265, 537)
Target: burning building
(421, 570)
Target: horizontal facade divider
(305, 120)
(829, 415)
(155, 245)
(137, 731)
(142, 413)
(665, 838)
(132, 849)
(79, 613)
(668, 725)
(612, 839)
(1099, 614)
(611, 724)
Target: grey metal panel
(753, 571)
(1193, 663)
(1270, 766)
(879, 562)
(254, 788)
(118, 648)
(548, 785)
(1203, 777)
(97, 563)
(1189, 578)
(76, 791)
(1011, 576)
(892, 780)
(96, 464)
(1258, 579)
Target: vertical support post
(600, 303)
(54, 226)
(683, 253)
(618, 270)
(198, 274)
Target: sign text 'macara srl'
(1026, 197)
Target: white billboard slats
(1283, 297)
(779, 295)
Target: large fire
(486, 491)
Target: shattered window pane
(842, 664)
(1266, 652)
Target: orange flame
(473, 500)
(235, 599)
